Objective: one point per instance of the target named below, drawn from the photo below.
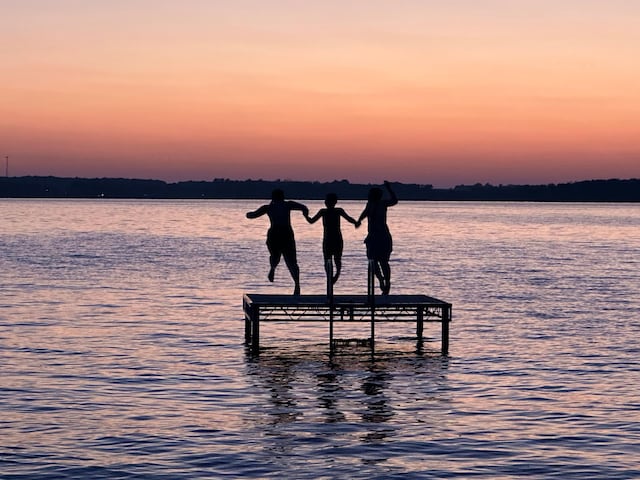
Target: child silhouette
(332, 243)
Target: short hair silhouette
(277, 194)
(331, 200)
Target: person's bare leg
(378, 274)
(338, 262)
(328, 267)
(274, 260)
(386, 274)
(292, 265)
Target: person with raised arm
(332, 243)
(378, 241)
(280, 238)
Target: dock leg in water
(255, 329)
(446, 318)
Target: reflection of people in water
(280, 239)
(378, 408)
(379, 242)
(332, 242)
(329, 392)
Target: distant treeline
(613, 190)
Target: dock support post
(371, 294)
(247, 331)
(371, 283)
(247, 321)
(419, 323)
(255, 329)
(331, 329)
(329, 270)
(446, 318)
(373, 327)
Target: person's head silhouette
(277, 195)
(330, 200)
(375, 194)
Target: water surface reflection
(122, 353)
(354, 404)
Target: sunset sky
(440, 92)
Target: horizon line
(344, 180)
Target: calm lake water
(122, 356)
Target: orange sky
(435, 92)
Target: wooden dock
(345, 309)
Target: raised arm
(259, 212)
(393, 200)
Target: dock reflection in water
(347, 408)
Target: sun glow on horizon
(444, 94)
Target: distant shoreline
(611, 190)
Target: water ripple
(123, 357)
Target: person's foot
(271, 275)
(296, 290)
(385, 288)
(335, 278)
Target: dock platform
(345, 309)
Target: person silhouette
(332, 243)
(378, 241)
(280, 238)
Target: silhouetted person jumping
(379, 242)
(280, 238)
(332, 243)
